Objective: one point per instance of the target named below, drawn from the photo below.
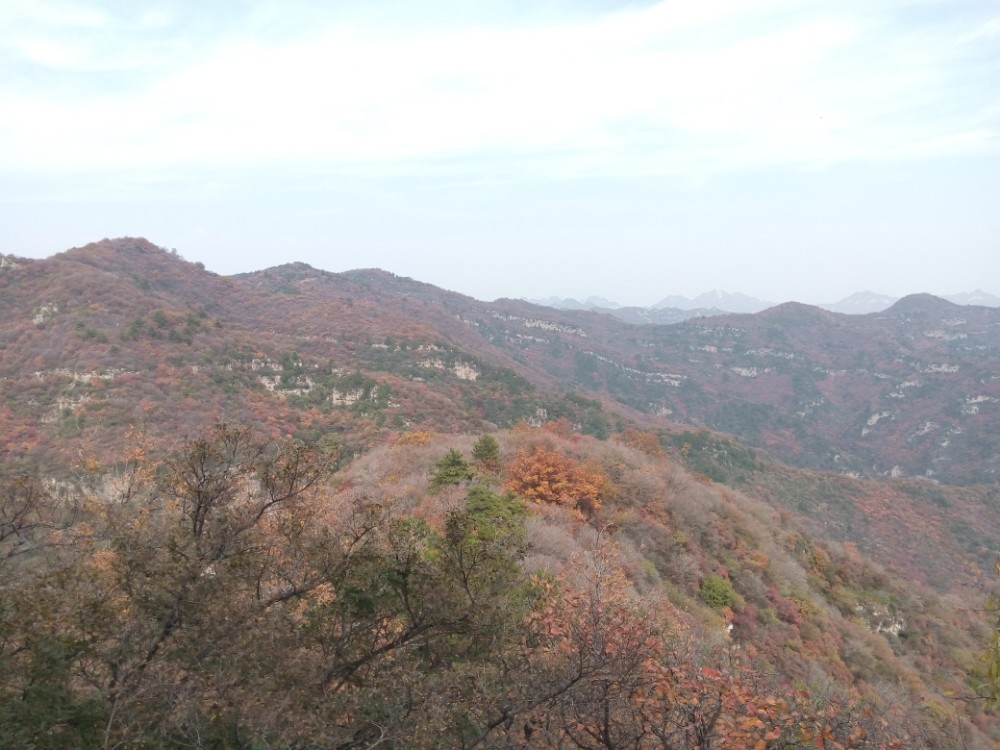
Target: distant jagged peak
(978, 297)
(735, 302)
(861, 303)
(556, 303)
(593, 302)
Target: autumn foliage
(647, 442)
(547, 476)
(254, 589)
(236, 593)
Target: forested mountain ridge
(912, 391)
(122, 332)
(117, 359)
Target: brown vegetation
(237, 593)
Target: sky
(786, 149)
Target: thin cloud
(671, 89)
(988, 30)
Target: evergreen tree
(486, 452)
(451, 468)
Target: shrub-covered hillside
(534, 588)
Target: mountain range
(122, 332)
(674, 308)
(835, 476)
(911, 391)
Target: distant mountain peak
(121, 245)
(602, 302)
(593, 302)
(861, 303)
(978, 297)
(797, 313)
(371, 273)
(791, 306)
(133, 255)
(921, 304)
(296, 268)
(716, 300)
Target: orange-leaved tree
(647, 442)
(547, 476)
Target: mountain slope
(124, 333)
(837, 574)
(909, 391)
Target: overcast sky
(787, 149)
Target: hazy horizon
(552, 298)
(784, 149)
